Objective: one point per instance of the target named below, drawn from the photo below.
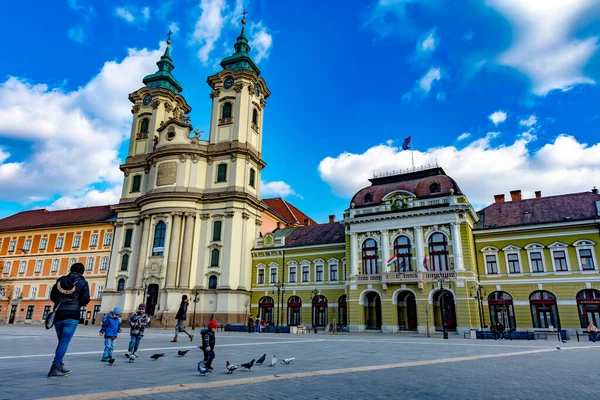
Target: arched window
(294, 311)
(226, 110)
(438, 252)
(403, 251)
(121, 285)
(265, 309)
(502, 310)
(319, 304)
(255, 117)
(343, 310)
(214, 258)
(369, 257)
(588, 304)
(160, 232)
(544, 311)
(144, 125)
(124, 262)
(212, 282)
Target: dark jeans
(134, 343)
(209, 356)
(65, 330)
(594, 336)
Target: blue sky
(502, 94)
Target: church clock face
(147, 99)
(228, 83)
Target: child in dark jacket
(111, 327)
(138, 323)
(208, 344)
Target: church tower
(190, 208)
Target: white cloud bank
(498, 117)
(277, 189)
(74, 136)
(480, 169)
(529, 122)
(545, 48)
(132, 14)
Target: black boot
(55, 373)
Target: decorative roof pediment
(534, 246)
(557, 244)
(584, 242)
(304, 262)
(511, 247)
(332, 260)
(319, 261)
(273, 265)
(489, 249)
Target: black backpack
(202, 333)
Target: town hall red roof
(43, 218)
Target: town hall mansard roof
(425, 183)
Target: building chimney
(306, 222)
(595, 190)
(279, 224)
(499, 198)
(515, 195)
(538, 194)
(331, 218)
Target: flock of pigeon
(230, 367)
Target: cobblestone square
(325, 367)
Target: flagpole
(412, 156)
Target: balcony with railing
(406, 277)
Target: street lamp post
(478, 295)
(315, 293)
(196, 300)
(444, 327)
(280, 293)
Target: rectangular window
(104, 264)
(89, 266)
(94, 240)
(33, 293)
(319, 273)
(43, 243)
(46, 312)
(513, 264)
(305, 273)
(72, 261)
(59, 242)
(27, 245)
(17, 293)
(76, 241)
(261, 276)
(217, 230)
(587, 261)
(128, 236)
(136, 183)
(252, 177)
(12, 245)
(54, 265)
(536, 261)
(7, 265)
(222, 173)
(560, 260)
(107, 238)
(29, 314)
(22, 267)
(99, 290)
(292, 274)
(273, 275)
(48, 291)
(333, 272)
(491, 263)
(38, 266)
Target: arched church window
(144, 125)
(160, 232)
(124, 262)
(121, 285)
(214, 258)
(212, 282)
(438, 252)
(226, 110)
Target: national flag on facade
(406, 144)
(392, 260)
(425, 267)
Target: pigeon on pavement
(202, 368)
(182, 353)
(111, 361)
(273, 361)
(157, 356)
(248, 365)
(288, 360)
(557, 348)
(261, 359)
(131, 358)
(231, 367)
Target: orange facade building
(37, 247)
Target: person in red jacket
(208, 343)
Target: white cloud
(77, 34)
(261, 41)
(276, 189)
(74, 136)
(426, 82)
(463, 136)
(146, 13)
(545, 48)
(174, 27)
(88, 198)
(125, 14)
(498, 117)
(428, 44)
(208, 27)
(480, 169)
(529, 122)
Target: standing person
(257, 325)
(250, 324)
(208, 344)
(500, 330)
(111, 327)
(493, 330)
(137, 322)
(71, 292)
(180, 317)
(263, 328)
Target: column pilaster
(385, 248)
(136, 251)
(173, 250)
(457, 248)
(114, 256)
(186, 252)
(419, 247)
(353, 254)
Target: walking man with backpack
(180, 317)
(69, 294)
